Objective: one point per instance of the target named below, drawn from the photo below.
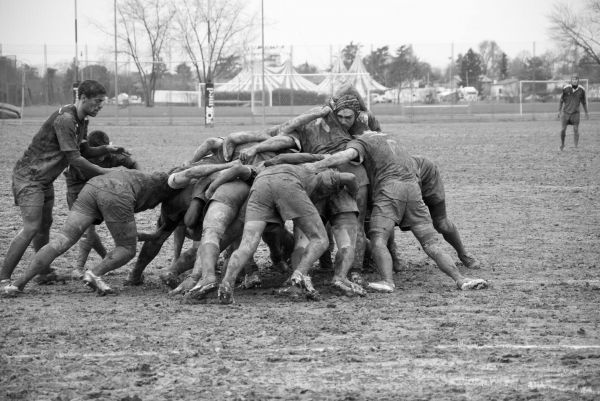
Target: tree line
(216, 41)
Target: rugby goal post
(548, 83)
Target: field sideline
(530, 212)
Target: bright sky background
(314, 28)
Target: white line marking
(519, 346)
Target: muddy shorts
(233, 193)
(276, 200)
(101, 204)
(401, 202)
(341, 202)
(358, 170)
(569, 118)
(31, 193)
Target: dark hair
(90, 88)
(97, 138)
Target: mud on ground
(527, 210)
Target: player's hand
(587, 116)
(247, 154)
(117, 149)
(312, 167)
(558, 116)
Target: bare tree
(491, 56)
(580, 30)
(212, 31)
(146, 25)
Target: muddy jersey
(323, 135)
(381, 162)
(326, 136)
(46, 156)
(572, 98)
(146, 190)
(76, 180)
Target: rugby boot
(251, 280)
(169, 279)
(49, 277)
(348, 288)
(305, 282)
(8, 289)
(225, 293)
(381, 286)
(472, 284)
(96, 283)
(201, 290)
(469, 261)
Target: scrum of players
(331, 174)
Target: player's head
(575, 80)
(346, 109)
(91, 96)
(98, 138)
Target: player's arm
(239, 171)
(584, 104)
(88, 151)
(350, 182)
(66, 134)
(303, 119)
(294, 158)
(273, 144)
(239, 138)
(182, 179)
(561, 102)
(334, 160)
(87, 168)
(207, 147)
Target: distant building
(505, 90)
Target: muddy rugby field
(529, 212)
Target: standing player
(60, 142)
(568, 110)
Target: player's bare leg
(313, 229)
(69, 234)
(250, 240)
(32, 224)
(217, 220)
(450, 233)
(344, 227)
(380, 230)
(563, 134)
(576, 135)
(125, 236)
(427, 237)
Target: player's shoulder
(66, 114)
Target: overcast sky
(311, 29)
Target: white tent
(335, 79)
(361, 79)
(282, 77)
(290, 79)
(250, 80)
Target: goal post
(540, 90)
